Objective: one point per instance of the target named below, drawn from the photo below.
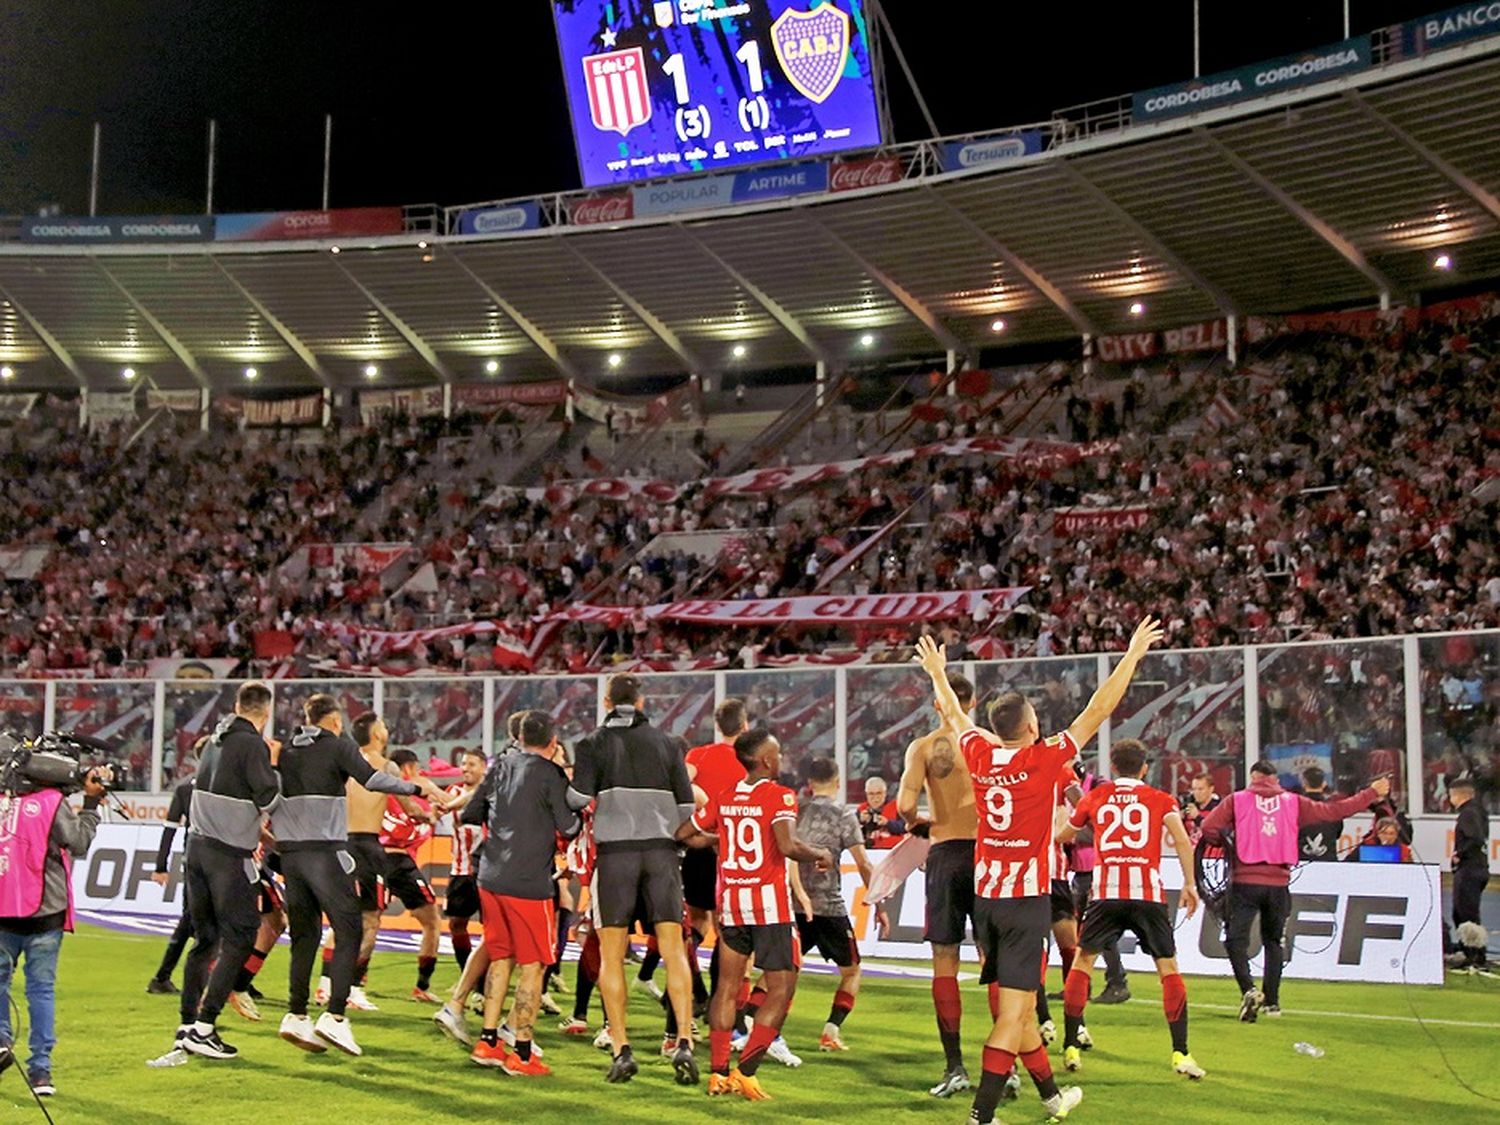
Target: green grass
(1374, 1070)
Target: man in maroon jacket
(1264, 821)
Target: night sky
(463, 103)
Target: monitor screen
(1380, 853)
(669, 87)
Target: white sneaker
(1049, 1033)
(359, 1001)
(649, 987)
(779, 1051)
(1065, 1103)
(603, 1041)
(545, 1003)
(508, 1037)
(320, 994)
(1085, 1040)
(339, 1032)
(451, 1024)
(298, 1031)
(1187, 1065)
(738, 1040)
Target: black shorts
(1062, 901)
(463, 896)
(369, 870)
(403, 880)
(1106, 919)
(700, 878)
(950, 891)
(1011, 934)
(268, 896)
(775, 948)
(832, 937)
(651, 879)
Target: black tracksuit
(1471, 867)
(236, 787)
(178, 812)
(312, 834)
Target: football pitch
(1381, 1063)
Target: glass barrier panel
(798, 707)
(682, 706)
(119, 712)
(1460, 676)
(23, 706)
(355, 697)
(1058, 687)
(193, 708)
(888, 708)
(572, 701)
(1189, 710)
(1337, 707)
(435, 718)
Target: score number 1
(693, 122)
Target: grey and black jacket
(235, 788)
(314, 810)
(639, 776)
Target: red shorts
(524, 929)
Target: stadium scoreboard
(666, 87)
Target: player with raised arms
(1128, 818)
(1016, 775)
(754, 825)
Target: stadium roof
(1335, 195)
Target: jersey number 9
(998, 808)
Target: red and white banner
(548, 393)
(826, 609)
(305, 411)
(185, 402)
(510, 650)
(1127, 347)
(1032, 454)
(616, 207)
(105, 408)
(1209, 335)
(420, 402)
(1090, 521)
(852, 175)
(628, 415)
(366, 557)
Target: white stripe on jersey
(1156, 887)
(1137, 883)
(1032, 884)
(770, 909)
(1008, 883)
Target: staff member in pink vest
(40, 836)
(1264, 820)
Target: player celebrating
(823, 921)
(1016, 781)
(754, 825)
(933, 763)
(463, 889)
(1127, 817)
(402, 834)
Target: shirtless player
(934, 764)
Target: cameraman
(40, 836)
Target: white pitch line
(1340, 1015)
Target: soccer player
(754, 825)
(639, 778)
(934, 764)
(312, 838)
(179, 812)
(1016, 778)
(823, 922)
(462, 901)
(402, 834)
(1128, 817)
(714, 770)
(525, 806)
(1064, 916)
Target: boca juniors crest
(619, 94)
(813, 48)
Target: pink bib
(25, 825)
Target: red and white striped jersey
(466, 838)
(1015, 794)
(753, 888)
(1127, 816)
(399, 830)
(1061, 868)
(579, 854)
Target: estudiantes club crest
(619, 96)
(813, 49)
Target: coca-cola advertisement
(852, 175)
(616, 207)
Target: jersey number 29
(1123, 826)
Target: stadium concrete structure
(1340, 193)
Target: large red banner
(530, 394)
(616, 207)
(280, 226)
(852, 175)
(827, 609)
